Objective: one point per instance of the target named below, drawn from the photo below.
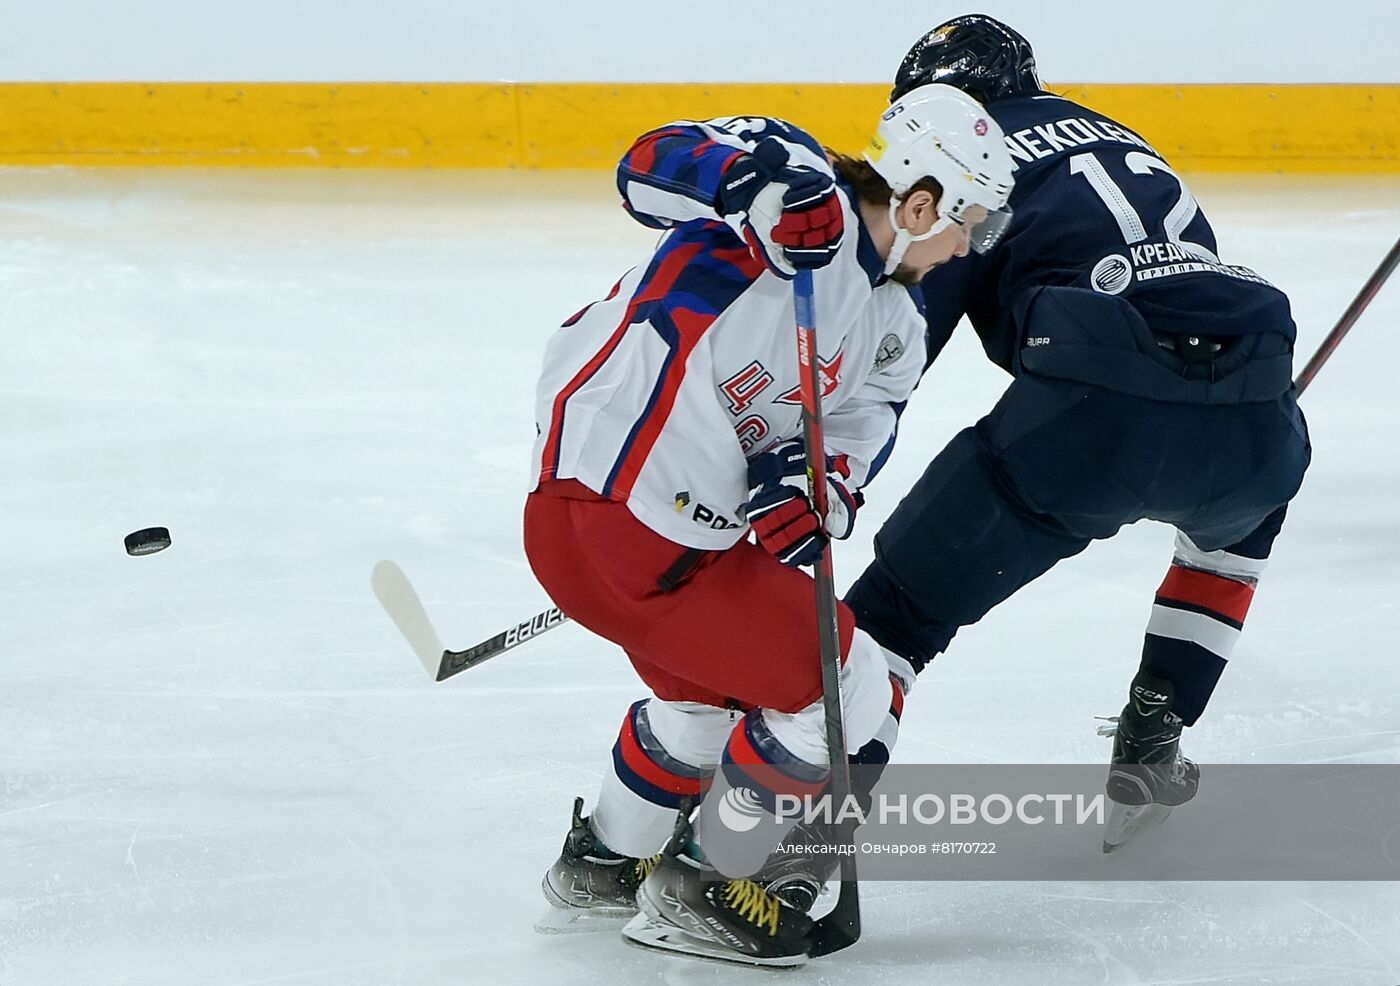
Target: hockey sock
(1196, 621)
(663, 755)
(876, 753)
(871, 759)
(758, 768)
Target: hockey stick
(1358, 305)
(396, 595)
(840, 928)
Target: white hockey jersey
(658, 395)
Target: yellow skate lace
(752, 903)
(646, 865)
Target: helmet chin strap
(903, 238)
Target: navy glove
(783, 517)
(788, 214)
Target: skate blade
(564, 918)
(581, 920)
(644, 932)
(1126, 821)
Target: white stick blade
(396, 595)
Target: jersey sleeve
(946, 294)
(672, 174)
(864, 427)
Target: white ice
(223, 766)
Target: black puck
(148, 541)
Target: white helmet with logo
(939, 132)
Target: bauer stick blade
(400, 601)
(396, 595)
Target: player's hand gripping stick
(782, 515)
(788, 214)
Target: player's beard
(909, 277)
(906, 275)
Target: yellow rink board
(1241, 128)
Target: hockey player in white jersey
(669, 428)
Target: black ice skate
(687, 907)
(799, 869)
(1148, 776)
(590, 888)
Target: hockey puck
(148, 541)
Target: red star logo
(828, 373)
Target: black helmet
(975, 53)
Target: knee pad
(865, 701)
(689, 732)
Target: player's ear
(920, 211)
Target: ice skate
(1148, 775)
(590, 888)
(796, 874)
(687, 907)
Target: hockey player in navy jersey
(1150, 380)
(669, 430)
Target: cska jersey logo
(828, 373)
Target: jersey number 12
(1129, 221)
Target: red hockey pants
(739, 630)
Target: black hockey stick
(840, 928)
(396, 595)
(1358, 305)
(454, 661)
(401, 602)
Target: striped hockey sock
(876, 753)
(1196, 621)
(649, 781)
(756, 759)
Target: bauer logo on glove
(788, 214)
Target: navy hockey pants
(1059, 463)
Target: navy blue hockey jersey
(1096, 206)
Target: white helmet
(940, 132)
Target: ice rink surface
(221, 764)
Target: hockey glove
(782, 516)
(788, 214)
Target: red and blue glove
(781, 514)
(788, 214)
